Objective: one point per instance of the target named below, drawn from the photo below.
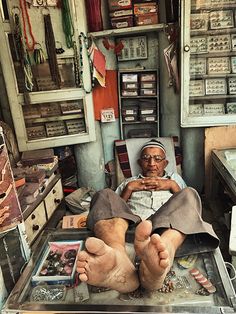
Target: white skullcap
(154, 143)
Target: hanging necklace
(25, 17)
(39, 56)
(76, 65)
(22, 53)
(85, 64)
(67, 24)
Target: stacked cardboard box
(145, 13)
(121, 13)
(127, 13)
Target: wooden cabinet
(35, 222)
(208, 66)
(45, 114)
(53, 199)
(38, 214)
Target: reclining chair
(127, 153)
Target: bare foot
(156, 256)
(104, 266)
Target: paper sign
(107, 115)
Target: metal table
(224, 171)
(183, 300)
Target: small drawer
(129, 93)
(130, 118)
(148, 85)
(129, 77)
(35, 222)
(129, 110)
(130, 85)
(148, 77)
(148, 92)
(53, 199)
(148, 118)
(147, 111)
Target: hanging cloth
(99, 65)
(170, 55)
(106, 97)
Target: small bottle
(94, 15)
(172, 11)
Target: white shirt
(146, 203)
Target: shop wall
(191, 139)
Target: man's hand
(149, 184)
(160, 184)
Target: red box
(115, 5)
(122, 22)
(146, 19)
(145, 8)
(120, 13)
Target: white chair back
(133, 149)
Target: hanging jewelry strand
(85, 63)
(76, 65)
(22, 53)
(67, 23)
(25, 17)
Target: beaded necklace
(67, 24)
(26, 18)
(76, 65)
(39, 56)
(85, 63)
(22, 53)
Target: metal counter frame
(17, 302)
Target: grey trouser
(181, 212)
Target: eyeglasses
(156, 158)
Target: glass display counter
(184, 296)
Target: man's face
(153, 162)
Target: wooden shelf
(210, 76)
(116, 32)
(138, 122)
(210, 97)
(209, 32)
(55, 118)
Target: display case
(81, 298)
(43, 75)
(139, 101)
(208, 57)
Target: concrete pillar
(110, 132)
(90, 162)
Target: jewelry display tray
(184, 300)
